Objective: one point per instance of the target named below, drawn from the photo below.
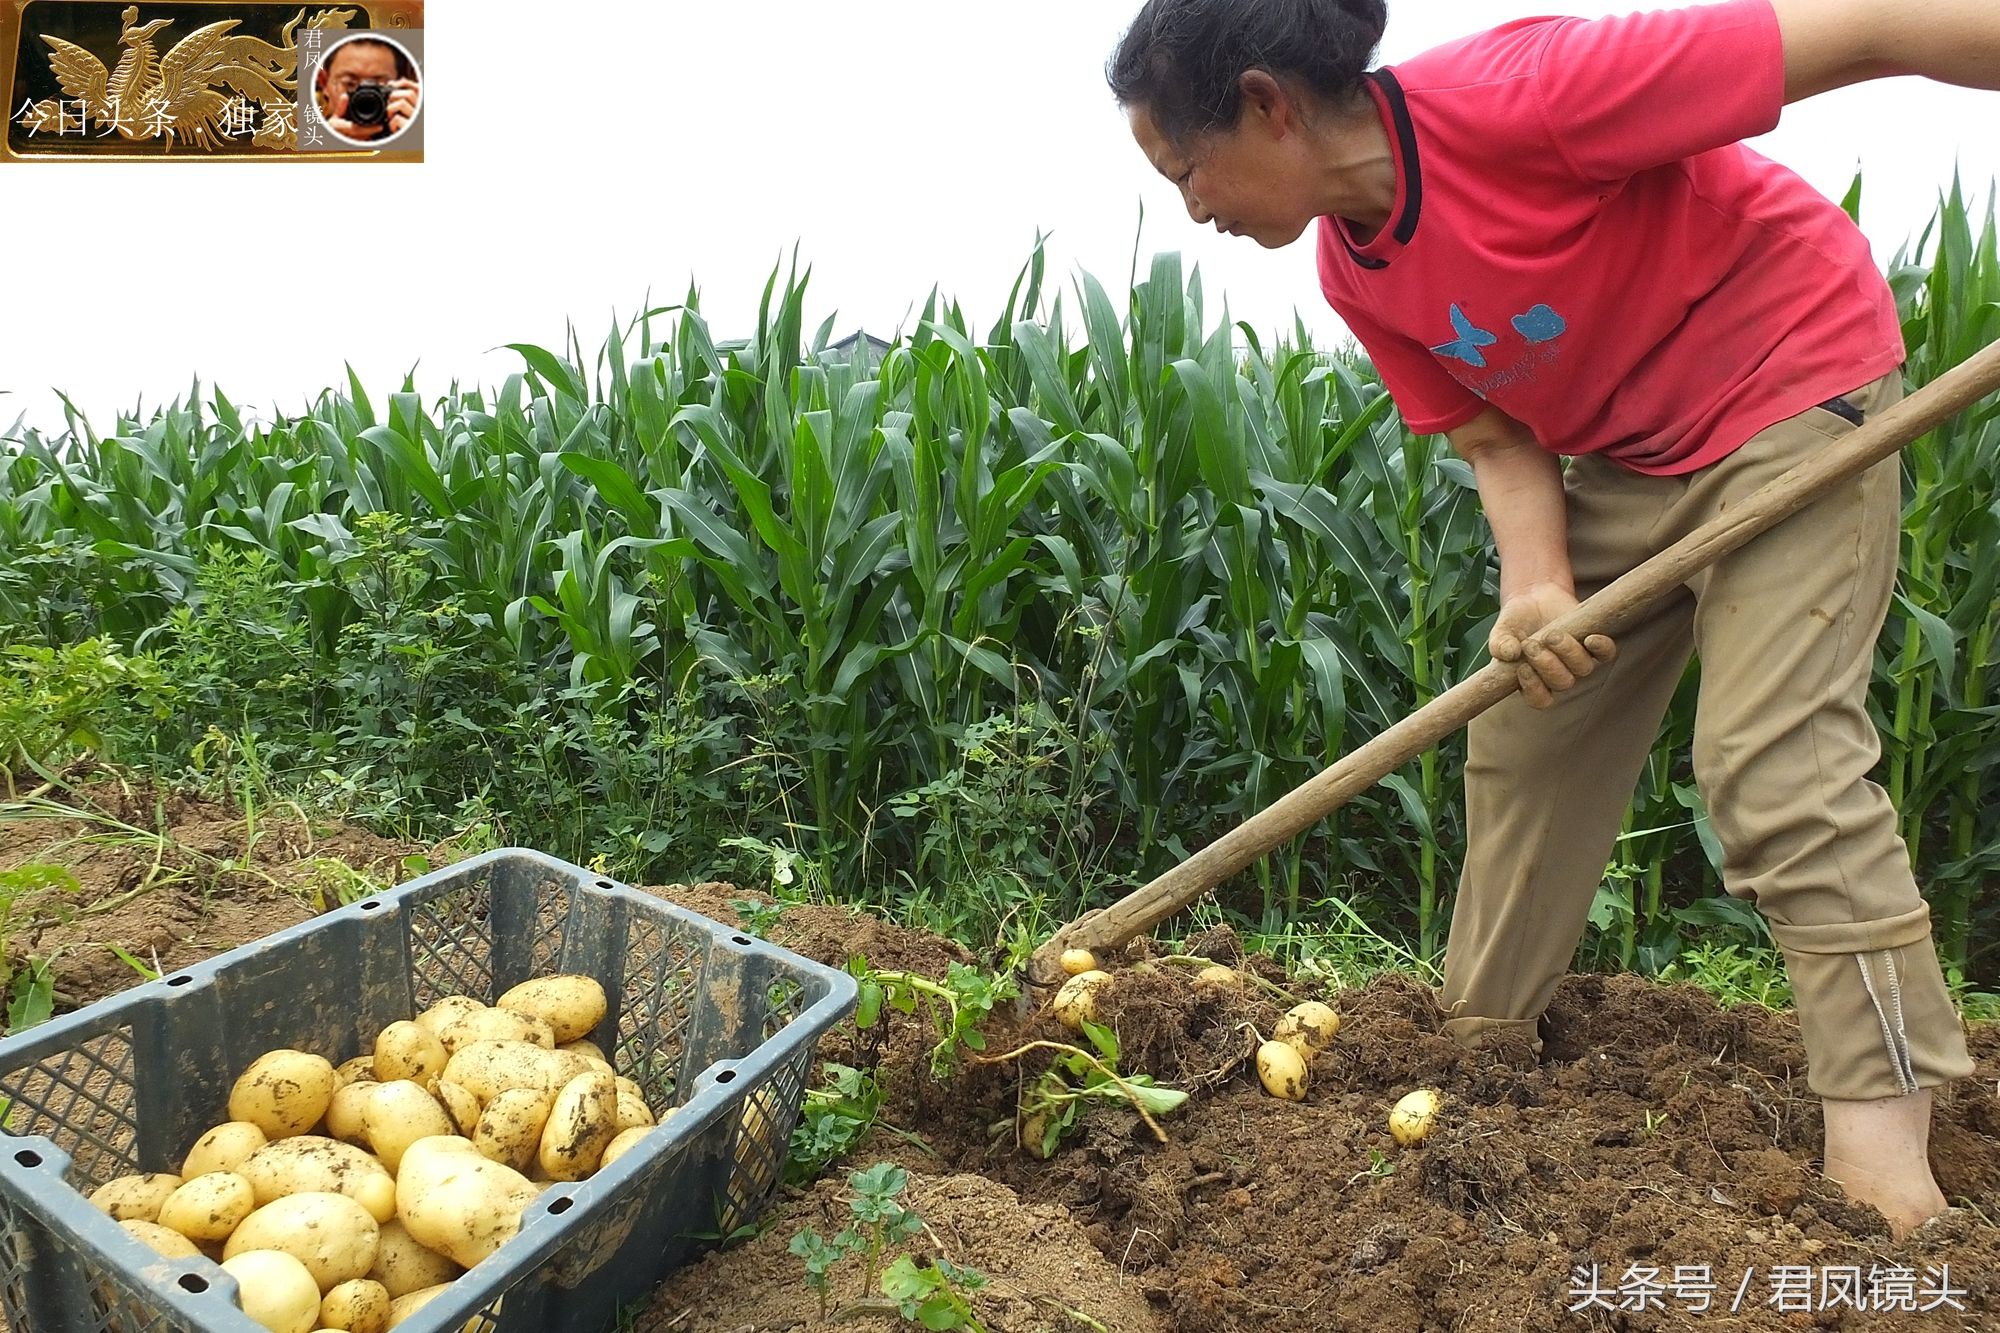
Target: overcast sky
(582, 154)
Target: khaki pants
(1785, 629)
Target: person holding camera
(366, 89)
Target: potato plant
(934, 1294)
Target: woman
(1550, 241)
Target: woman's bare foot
(1879, 1153)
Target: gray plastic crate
(704, 1018)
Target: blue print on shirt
(1539, 328)
(1540, 325)
(1470, 339)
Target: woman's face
(1245, 180)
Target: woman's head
(1188, 71)
(1184, 60)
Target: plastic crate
(704, 1018)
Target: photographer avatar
(367, 89)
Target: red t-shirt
(1579, 239)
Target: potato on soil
(457, 1202)
(407, 1051)
(1075, 962)
(210, 1207)
(510, 1128)
(1412, 1119)
(135, 1198)
(398, 1115)
(1216, 976)
(1309, 1028)
(331, 1234)
(581, 1125)
(283, 1092)
(571, 1005)
(224, 1148)
(1282, 1070)
(164, 1240)
(309, 1164)
(402, 1265)
(357, 1306)
(1076, 1002)
(276, 1290)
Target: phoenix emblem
(204, 92)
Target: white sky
(582, 154)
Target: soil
(1654, 1132)
(173, 879)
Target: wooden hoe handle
(1612, 610)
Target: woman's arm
(1521, 490)
(1832, 43)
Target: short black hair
(404, 70)
(1183, 60)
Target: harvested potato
(1217, 977)
(276, 1290)
(361, 1069)
(210, 1206)
(459, 1104)
(626, 1140)
(588, 1049)
(510, 1128)
(224, 1148)
(402, 1265)
(434, 1018)
(135, 1198)
(357, 1306)
(407, 1051)
(632, 1110)
(488, 1068)
(347, 1113)
(1282, 1070)
(457, 1202)
(309, 1164)
(462, 1029)
(331, 1234)
(283, 1092)
(581, 1125)
(1075, 962)
(1309, 1028)
(405, 1306)
(164, 1240)
(571, 1005)
(398, 1115)
(1076, 1002)
(1412, 1119)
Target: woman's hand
(1546, 664)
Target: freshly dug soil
(173, 879)
(1654, 1132)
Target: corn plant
(1084, 584)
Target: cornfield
(979, 630)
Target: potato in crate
(398, 1106)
